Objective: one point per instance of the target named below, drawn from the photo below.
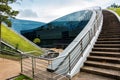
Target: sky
(49, 10)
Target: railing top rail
(79, 39)
(75, 41)
(83, 32)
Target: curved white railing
(72, 58)
(98, 25)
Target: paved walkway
(8, 68)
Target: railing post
(21, 63)
(89, 36)
(33, 67)
(51, 68)
(69, 64)
(81, 45)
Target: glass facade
(64, 29)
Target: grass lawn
(22, 77)
(14, 39)
(12, 57)
(117, 10)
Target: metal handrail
(76, 52)
(90, 33)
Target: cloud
(28, 13)
(48, 10)
(52, 12)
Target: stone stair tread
(100, 52)
(106, 45)
(103, 64)
(108, 58)
(107, 48)
(108, 41)
(89, 76)
(114, 31)
(109, 36)
(108, 54)
(101, 70)
(113, 34)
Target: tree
(114, 6)
(6, 12)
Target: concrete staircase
(104, 60)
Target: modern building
(60, 32)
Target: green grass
(12, 57)
(22, 77)
(117, 10)
(14, 39)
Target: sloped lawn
(10, 37)
(117, 10)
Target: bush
(36, 40)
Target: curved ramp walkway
(104, 60)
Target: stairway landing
(88, 76)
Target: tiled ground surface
(8, 68)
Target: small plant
(22, 77)
(36, 41)
(16, 47)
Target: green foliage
(6, 11)
(36, 40)
(18, 42)
(22, 77)
(114, 5)
(117, 10)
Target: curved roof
(69, 25)
(69, 21)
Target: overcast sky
(48, 10)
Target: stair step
(108, 39)
(106, 49)
(103, 72)
(107, 45)
(113, 36)
(109, 54)
(108, 42)
(110, 31)
(103, 65)
(89, 76)
(104, 59)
